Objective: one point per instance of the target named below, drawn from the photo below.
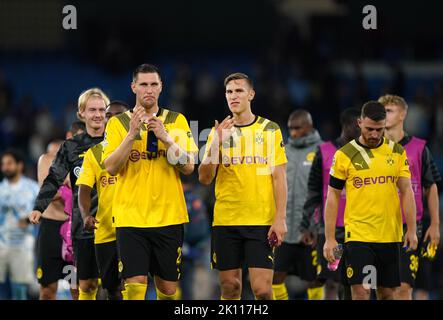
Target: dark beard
(10, 175)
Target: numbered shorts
(50, 264)
(410, 260)
(157, 251)
(297, 259)
(377, 264)
(233, 247)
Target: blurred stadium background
(311, 54)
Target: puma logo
(271, 258)
(359, 164)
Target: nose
(98, 113)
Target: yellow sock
(89, 295)
(223, 298)
(125, 294)
(316, 293)
(162, 296)
(280, 291)
(136, 291)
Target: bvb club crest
(259, 137)
(390, 160)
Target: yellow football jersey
(243, 186)
(93, 173)
(372, 212)
(149, 191)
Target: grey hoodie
(300, 153)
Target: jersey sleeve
(87, 174)
(315, 191)
(430, 173)
(113, 138)
(339, 170)
(403, 166)
(182, 135)
(277, 154)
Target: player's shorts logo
(349, 272)
(120, 266)
(214, 258)
(179, 257)
(77, 171)
(39, 273)
(318, 269)
(357, 183)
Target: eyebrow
(236, 90)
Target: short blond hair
(388, 99)
(84, 97)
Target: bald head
(300, 123)
(53, 147)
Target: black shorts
(86, 263)
(410, 261)
(50, 263)
(107, 262)
(150, 250)
(424, 275)
(297, 259)
(232, 247)
(377, 264)
(324, 273)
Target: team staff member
(250, 191)
(91, 109)
(93, 174)
(294, 256)
(372, 168)
(149, 207)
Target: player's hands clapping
(137, 118)
(223, 130)
(157, 126)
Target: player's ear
(403, 115)
(133, 86)
(251, 95)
